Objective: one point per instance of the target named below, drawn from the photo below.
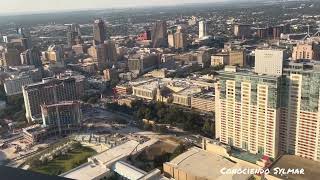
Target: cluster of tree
(91, 99)
(163, 113)
(14, 109)
(211, 70)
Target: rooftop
(311, 168)
(203, 164)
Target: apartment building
(248, 112)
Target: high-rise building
(73, 35)
(180, 40)
(31, 57)
(248, 112)
(61, 115)
(25, 38)
(306, 50)
(54, 53)
(242, 30)
(99, 55)
(49, 91)
(13, 85)
(10, 56)
(171, 40)
(202, 29)
(269, 61)
(99, 32)
(159, 34)
(271, 115)
(299, 126)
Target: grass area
(65, 162)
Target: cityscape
(159, 90)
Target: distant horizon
(172, 3)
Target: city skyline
(34, 6)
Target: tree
(207, 127)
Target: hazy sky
(14, 6)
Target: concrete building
(13, 85)
(73, 35)
(248, 112)
(220, 59)
(237, 57)
(61, 115)
(305, 50)
(54, 53)
(99, 32)
(171, 40)
(201, 164)
(202, 29)
(269, 61)
(110, 74)
(104, 164)
(159, 34)
(31, 57)
(299, 124)
(99, 55)
(203, 101)
(142, 63)
(242, 30)
(49, 91)
(10, 57)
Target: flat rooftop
(87, 171)
(204, 164)
(311, 168)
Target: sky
(18, 6)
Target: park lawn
(66, 162)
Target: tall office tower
(247, 112)
(49, 91)
(99, 32)
(73, 35)
(300, 123)
(306, 50)
(242, 30)
(99, 55)
(111, 52)
(269, 61)
(202, 29)
(61, 115)
(25, 37)
(180, 40)
(171, 40)
(159, 34)
(10, 56)
(31, 57)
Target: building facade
(49, 91)
(269, 61)
(248, 107)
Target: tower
(99, 32)
(202, 29)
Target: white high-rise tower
(202, 29)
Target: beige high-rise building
(180, 40)
(271, 115)
(98, 53)
(309, 51)
(171, 40)
(247, 112)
